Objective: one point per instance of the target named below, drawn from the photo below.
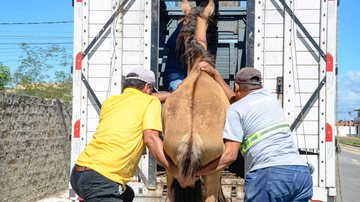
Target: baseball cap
(247, 75)
(143, 74)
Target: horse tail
(189, 155)
(189, 161)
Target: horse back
(196, 108)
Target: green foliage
(44, 72)
(353, 141)
(5, 76)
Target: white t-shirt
(256, 111)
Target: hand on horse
(208, 68)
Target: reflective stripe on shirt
(263, 133)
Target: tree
(5, 76)
(44, 72)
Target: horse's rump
(195, 111)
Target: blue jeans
(93, 187)
(279, 183)
(173, 85)
(173, 80)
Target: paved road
(349, 160)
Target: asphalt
(349, 165)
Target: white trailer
(292, 42)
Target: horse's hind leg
(169, 181)
(213, 190)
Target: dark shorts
(93, 187)
(279, 183)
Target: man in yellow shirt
(128, 122)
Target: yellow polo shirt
(117, 144)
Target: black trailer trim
(250, 31)
(306, 152)
(93, 42)
(303, 29)
(307, 106)
(107, 24)
(315, 95)
(91, 91)
(231, 11)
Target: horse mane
(194, 51)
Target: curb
(348, 147)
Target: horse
(194, 115)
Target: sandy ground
(60, 197)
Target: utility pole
(357, 122)
(350, 124)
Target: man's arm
(206, 67)
(228, 157)
(153, 142)
(228, 92)
(162, 96)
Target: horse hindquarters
(194, 117)
(213, 190)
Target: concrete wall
(34, 147)
(346, 130)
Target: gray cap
(247, 75)
(145, 75)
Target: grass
(352, 141)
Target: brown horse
(194, 115)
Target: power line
(35, 23)
(16, 60)
(34, 31)
(10, 57)
(32, 37)
(39, 43)
(2, 48)
(10, 53)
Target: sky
(348, 55)
(13, 12)
(25, 11)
